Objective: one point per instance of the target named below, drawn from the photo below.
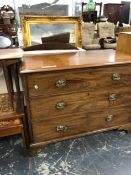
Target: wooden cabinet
(113, 12)
(75, 94)
(8, 24)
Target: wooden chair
(106, 31)
(88, 15)
(89, 42)
(100, 8)
(91, 15)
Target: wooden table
(9, 59)
(12, 116)
(73, 94)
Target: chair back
(106, 29)
(100, 8)
(88, 30)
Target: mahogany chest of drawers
(75, 94)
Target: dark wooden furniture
(10, 59)
(100, 8)
(12, 117)
(8, 25)
(126, 12)
(89, 16)
(113, 12)
(74, 94)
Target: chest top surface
(12, 53)
(39, 62)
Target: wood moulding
(126, 127)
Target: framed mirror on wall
(34, 28)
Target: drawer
(64, 82)
(79, 102)
(73, 125)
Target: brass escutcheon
(60, 105)
(112, 97)
(61, 83)
(116, 76)
(61, 128)
(109, 118)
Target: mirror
(37, 31)
(36, 27)
(5, 42)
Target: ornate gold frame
(26, 21)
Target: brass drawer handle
(61, 128)
(112, 97)
(61, 83)
(36, 86)
(116, 76)
(109, 118)
(60, 105)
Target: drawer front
(79, 102)
(83, 80)
(59, 127)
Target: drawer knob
(112, 97)
(36, 86)
(60, 105)
(109, 118)
(61, 128)
(116, 76)
(61, 83)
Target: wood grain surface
(81, 59)
(77, 124)
(87, 79)
(92, 99)
(12, 53)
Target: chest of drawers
(75, 94)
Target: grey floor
(107, 153)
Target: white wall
(6, 2)
(16, 3)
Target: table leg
(16, 78)
(8, 81)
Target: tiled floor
(107, 153)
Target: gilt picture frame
(27, 22)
